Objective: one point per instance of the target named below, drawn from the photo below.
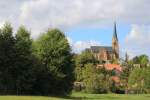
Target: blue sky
(99, 35)
(102, 35)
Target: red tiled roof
(115, 79)
(113, 66)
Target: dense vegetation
(40, 67)
(134, 78)
(94, 80)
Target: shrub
(139, 80)
(93, 80)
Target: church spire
(115, 44)
(115, 32)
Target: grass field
(81, 96)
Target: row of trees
(46, 65)
(40, 67)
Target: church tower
(115, 44)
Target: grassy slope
(81, 96)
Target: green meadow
(82, 96)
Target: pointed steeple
(115, 43)
(115, 32)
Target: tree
(143, 60)
(139, 80)
(7, 58)
(84, 58)
(94, 80)
(23, 69)
(54, 52)
(80, 61)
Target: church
(107, 54)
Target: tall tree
(55, 54)
(23, 69)
(7, 57)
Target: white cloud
(82, 45)
(138, 40)
(79, 46)
(40, 14)
(1, 24)
(139, 35)
(70, 41)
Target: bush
(139, 80)
(93, 80)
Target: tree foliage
(23, 69)
(139, 80)
(42, 67)
(7, 55)
(53, 51)
(95, 80)
(84, 58)
(81, 60)
(142, 59)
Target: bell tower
(115, 44)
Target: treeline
(46, 66)
(134, 78)
(35, 67)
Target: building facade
(107, 53)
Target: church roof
(96, 49)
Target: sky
(85, 22)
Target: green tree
(142, 59)
(54, 52)
(80, 61)
(139, 80)
(84, 58)
(23, 69)
(94, 80)
(7, 58)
